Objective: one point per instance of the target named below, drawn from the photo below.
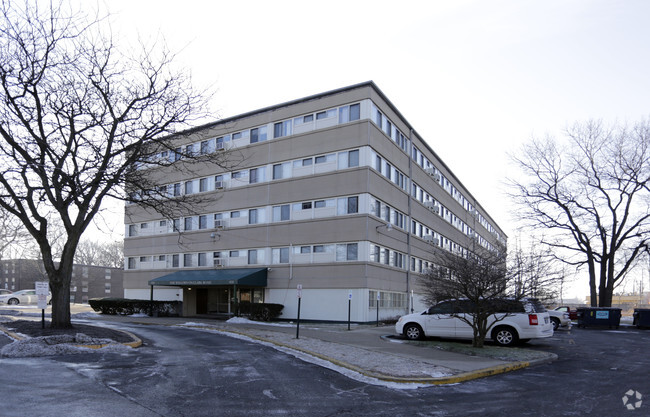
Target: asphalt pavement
(374, 352)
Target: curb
(137, 342)
(446, 380)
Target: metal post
(298, 321)
(42, 318)
(349, 311)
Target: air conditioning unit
(436, 177)
(431, 171)
(218, 185)
(219, 224)
(427, 238)
(218, 263)
(426, 271)
(429, 204)
(436, 209)
(221, 146)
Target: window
(324, 203)
(203, 185)
(189, 150)
(281, 129)
(306, 205)
(177, 225)
(234, 254)
(162, 257)
(348, 159)
(203, 259)
(281, 256)
(278, 171)
(305, 249)
(132, 230)
(252, 216)
(281, 213)
(252, 256)
(235, 214)
(256, 175)
(177, 154)
(144, 225)
(304, 119)
(319, 249)
(205, 147)
(347, 252)
(325, 158)
(177, 189)
(188, 223)
(258, 134)
(187, 260)
(239, 174)
(348, 205)
(203, 222)
(349, 113)
(326, 114)
(144, 259)
(188, 187)
(131, 263)
(175, 261)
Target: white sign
(42, 291)
(299, 290)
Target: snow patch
(242, 320)
(58, 345)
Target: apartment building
(87, 281)
(337, 199)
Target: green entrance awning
(255, 277)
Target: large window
(348, 205)
(281, 129)
(280, 255)
(281, 213)
(252, 256)
(252, 216)
(347, 252)
(349, 113)
(258, 134)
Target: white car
(559, 318)
(22, 297)
(520, 321)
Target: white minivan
(516, 321)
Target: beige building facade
(335, 193)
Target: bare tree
(590, 191)
(79, 121)
(109, 254)
(535, 272)
(478, 280)
(13, 235)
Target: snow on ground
(243, 320)
(58, 345)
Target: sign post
(378, 297)
(349, 308)
(299, 288)
(42, 291)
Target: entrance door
(201, 301)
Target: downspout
(408, 226)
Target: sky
(476, 79)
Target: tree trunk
(61, 304)
(592, 284)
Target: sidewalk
(373, 352)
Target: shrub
(126, 307)
(260, 311)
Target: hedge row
(126, 307)
(260, 311)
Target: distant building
(337, 193)
(628, 301)
(87, 281)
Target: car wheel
(505, 336)
(413, 332)
(13, 301)
(556, 323)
